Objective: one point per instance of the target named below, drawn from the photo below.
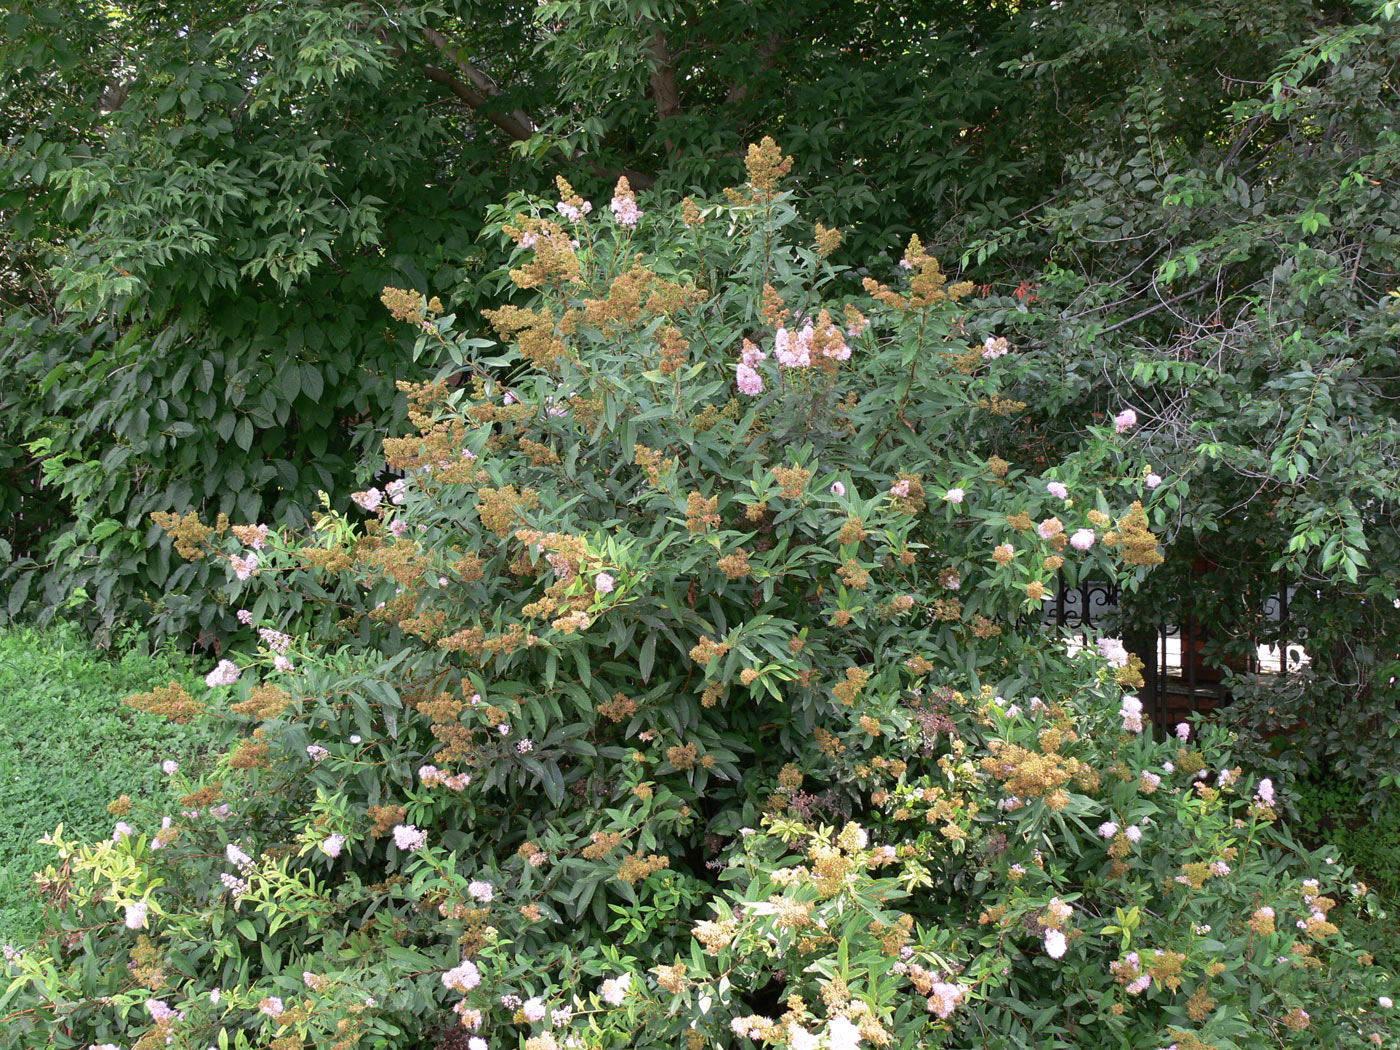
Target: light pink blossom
(1113, 650)
(1125, 420)
(625, 210)
(1265, 793)
(225, 672)
(409, 838)
(1130, 710)
(237, 857)
(244, 567)
(160, 1010)
(1057, 489)
(748, 380)
(481, 890)
(944, 998)
(791, 351)
(614, 990)
(369, 500)
(1082, 539)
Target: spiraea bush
(686, 690)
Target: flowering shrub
(686, 689)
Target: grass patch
(1330, 814)
(71, 746)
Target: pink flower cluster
(1131, 969)
(1082, 539)
(945, 998)
(244, 567)
(1125, 420)
(573, 213)
(409, 838)
(614, 990)
(481, 890)
(789, 352)
(225, 672)
(369, 500)
(625, 210)
(275, 640)
(1113, 650)
(431, 776)
(237, 857)
(1265, 794)
(1130, 710)
(994, 348)
(794, 349)
(750, 382)
(160, 1010)
(136, 915)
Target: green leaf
(243, 433)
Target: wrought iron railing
(1176, 678)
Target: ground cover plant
(70, 746)
(684, 688)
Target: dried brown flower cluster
(172, 701)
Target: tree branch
(739, 90)
(479, 91)
(482, 89)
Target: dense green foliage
(1195, 210)
(1233, 264)
(70, 747)
(686, 690)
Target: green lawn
(68, 746)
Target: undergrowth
(71, 746)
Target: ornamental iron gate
(1178, 681)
